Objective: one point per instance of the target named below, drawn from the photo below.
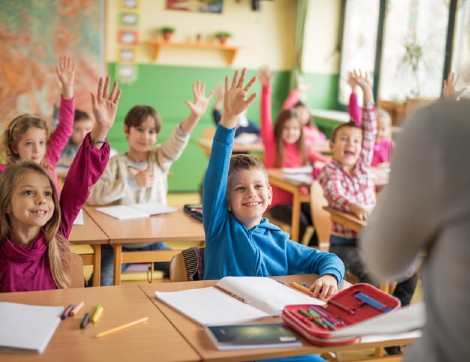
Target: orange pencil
(301, 287)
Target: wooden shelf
(159, 44)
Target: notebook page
(209, 306)
(122, 212)
(265, 293)
(27, 327)
(153, 209)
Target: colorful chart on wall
(202, 6)
(33, 35)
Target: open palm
(201, 102)
(104, 106)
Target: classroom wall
(266, 38)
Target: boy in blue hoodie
(239, 241)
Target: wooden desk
(197, 337)
(157, 340)
(90, 234)
(174, 226)
(345, 218)
(206, 145)
(277, 178)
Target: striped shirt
(342, 189)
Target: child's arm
(369, 119)
(215, 201)
(60, 137)
(92, 157)
(267, 130)
(198, 108)
(219, 97)
(353, 107)
(292, 99)
(448, 88)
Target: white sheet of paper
(122, 212)
(27, 327)
(303, 178)
(135, 211)
(79, 220)
(209, 306)
(297, 170)
(402, 320)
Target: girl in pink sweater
(283, 147)
(28, 137)
(34, 225)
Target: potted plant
(223, 36)
(166, 32)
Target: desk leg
(117, 263)
(295, 222)
(96, 265)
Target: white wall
(266, 36)
(321, 37)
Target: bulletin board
(33, 35)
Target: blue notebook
(250, 336)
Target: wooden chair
(187, 265)
(321, 218)
(76, 269)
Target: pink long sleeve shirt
(59, 138)
(292, 156)
(27, 268)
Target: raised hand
(235, 98)
(199, 106)
(448, 88)
(265, 75)
(66, 74)
(352, 82)
(364, 83)
(104, 107)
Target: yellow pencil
(98, 312)
(123, 327)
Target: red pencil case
(350, 306)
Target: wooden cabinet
(158, 45)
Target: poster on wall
(201, 6)
(33, 35)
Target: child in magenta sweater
(34, 225)
(284, 147)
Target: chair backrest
(209, 133)
(187, 265)
(321, 218)
(76, 269)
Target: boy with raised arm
(239, 241)
(348, 187)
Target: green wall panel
(167, 87)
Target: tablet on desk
(249, 336)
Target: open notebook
(135, 211)
(27, 327)
(235, 300)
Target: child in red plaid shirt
(348, 187)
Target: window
(412, 58)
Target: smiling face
(32, 145)
(384, 129)
(346, 147)
(291, 131)
(141, 138)
(32, 203)
(249, 195)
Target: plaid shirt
(342, 189)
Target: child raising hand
(140, 176)
(34, 225)
(28, 138)
(239, 241)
